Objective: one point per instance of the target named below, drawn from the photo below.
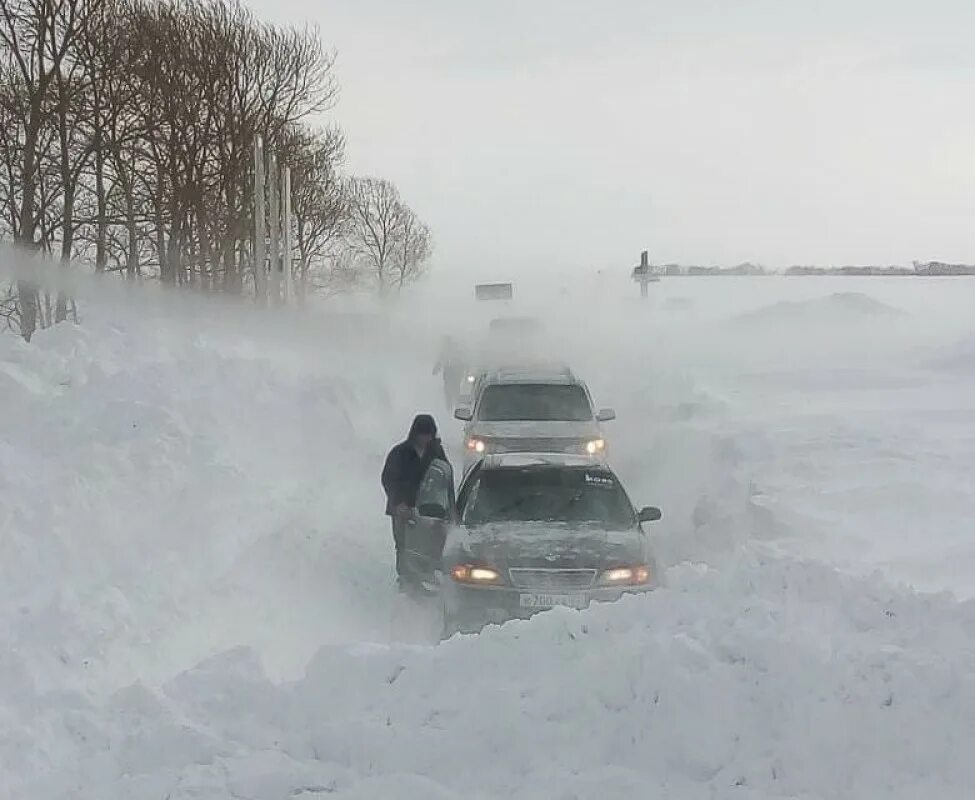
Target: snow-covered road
(195, 585)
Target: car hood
(546, 546)
(538, 430)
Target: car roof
(532, 373)
(522, 460)
(514, 321)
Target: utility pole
(260, 275)
(275, 289)
(288, 292)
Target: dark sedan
(527, 533)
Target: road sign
(493, 291)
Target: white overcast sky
(572, 134)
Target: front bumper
(470, 608)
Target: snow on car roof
(516, 460)
(501, 323)
(532, 373)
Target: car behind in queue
(531, 409)
(527, 533)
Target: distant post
(643, 275)
(644, 269)
(260, 276)
(273, 187)
(288, 291)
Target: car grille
(537, 445)
(553, 580)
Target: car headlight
(595, 446)
(475, 574)
(637, 575)
(476, 445)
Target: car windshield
(549, 494)
(534, 402)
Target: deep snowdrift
(838, 307)
(960, 357)
(199, 484)
(141, 467)
(772, 679)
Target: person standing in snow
(403, 472)
(450, 365)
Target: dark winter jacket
(404, 471)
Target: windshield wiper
(572, 501)
(516, 504)
(497, 513)
(561, 513)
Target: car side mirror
(432, 510)
(463, 414)
(605, 415)
(649, 514)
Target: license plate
(553, 600)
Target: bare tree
(261, 80)
(387, 238)
(9, 309)
(319, 203)
(12, 112)
(134, 155)
(413, 250)
(375, 222)
(37, 36)
(340, 273)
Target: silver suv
(532, 410)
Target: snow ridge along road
(196, 590)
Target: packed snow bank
(839, 307)
(164, 496)
(868, 467)
(959, 356)
(770, 679)
(187, 482)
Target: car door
(427, 531)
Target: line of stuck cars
(539, 519)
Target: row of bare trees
(127, 132)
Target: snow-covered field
(196, 595)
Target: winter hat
(423, 424)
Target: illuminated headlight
(595, 446)
(626, 576)
(476, 445)
(470, 573)
(470, 379)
